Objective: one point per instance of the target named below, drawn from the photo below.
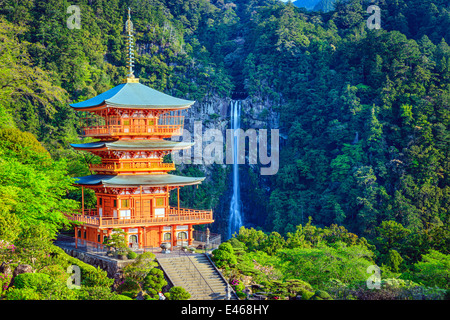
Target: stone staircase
(196, 274)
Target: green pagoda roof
(152, 180)
(134, 95)
(145, 145)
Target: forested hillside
(364, 113)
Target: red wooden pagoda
(132, 123)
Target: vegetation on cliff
(364, 121)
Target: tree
(393, 261)
(140, 268)
(391, 235)
(117, 241)
(224, 256)
(251, 238)
(34, 184)
(433, 270)
(273, 243)
(154, 282)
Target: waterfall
(235, 217)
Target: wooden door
(153, 237)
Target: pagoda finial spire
(130, 46)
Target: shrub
(90, 276)
(56, 273)
(131, 255)
(97, 293)
(224, 256)
(22, 294)
(130, 294)
(321, 295)
(154, 281)
(95, 277)
(5, 279)
(35, 281)
(140, 267)
(306, 295)
(129, 287)
(179, 293)
(120, 297)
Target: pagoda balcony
(141, 166)
(132, 130)
(174, 216)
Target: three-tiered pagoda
(132, 123)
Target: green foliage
(35, 281)
(224, 256)
(321, 295)
(33, 186)
(129, 287)
(154, 282)
(138, 270)
(178, 293)
(117, 241)
(316, 266)
(251, 238)
(23, 294)
(364, 113)
(99, 293)
(131, 255)
(433, 270)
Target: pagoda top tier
(133, 95)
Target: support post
(82, 200)
(76, 238)
(142, 212)
(178, 196)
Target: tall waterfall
(235, 216)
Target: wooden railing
(144, 130)
(133, 166)
(173, 216)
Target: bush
(22, 294)
(131, 255)
(140, 267)
(56, 273)
(306, 295)
(90, 276)
(321, 295)
(35, 281)
(179, 293)
(98, 293)
(224, 256)
(129, 287)
(94, 277)
(120, 297)
(154, 282)
(5, 279)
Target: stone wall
(113, 267)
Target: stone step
(181, 272)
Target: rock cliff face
(214, 113)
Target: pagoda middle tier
(132, 156)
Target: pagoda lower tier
(139, 205)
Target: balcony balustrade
(132, 130)
(144, 166)
(172, 216)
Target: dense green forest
(364, 115)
